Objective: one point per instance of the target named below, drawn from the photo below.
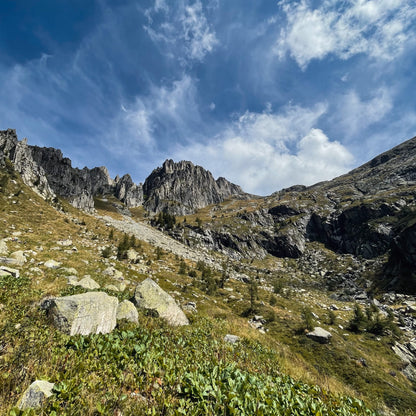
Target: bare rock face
(149, 295)
(78, 185)
(87, 313)
(128, 192)
(182, 188)
(20, 155)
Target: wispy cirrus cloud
(380, 29)
(181, 29)
(353, 114)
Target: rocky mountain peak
(182, 187)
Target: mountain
(368, 213)
(185, 295)
(178, 188)
(182, 188)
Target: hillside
(267, 271)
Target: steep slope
(369, 212)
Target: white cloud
(380, 29)
(265, 152)
(353, 115)
(184, 28)
(169, 109)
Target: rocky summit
(186, 295)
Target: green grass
(154, 369)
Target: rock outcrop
(149, 295)
(87, 313)
(182, 188)
(128, 192)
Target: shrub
(308, 321)
(106, 252)
(359, 321)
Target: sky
(265, 93)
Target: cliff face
(182, 188)
(50, 174)
(20, 155)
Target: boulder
(35, 395)
(149, 295)
(9, 270)
(9, 260)
(126, 310)
(112, 287)
(88, 283)
(52, 264)
(3, 247)
(132, 255)
(232, 339)
(87, 313)
(319, 335)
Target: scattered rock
(87, 313)
(69, 270)
(64, 243)
(72, 280)
(132, 255)
(9, 260)
(3, 247)
(149, 295)
(35, 395)
(52, 264)
(190, 307)
(319, 335)
(232, 339)
(257, 322)
(88, 283)
(9, 270)
(112, 287)
(126, 310)
(112, 272)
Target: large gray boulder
(127, 311)
(87, 313)
(35, 395)
(319, 335)
(149, 295)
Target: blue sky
(266, 93)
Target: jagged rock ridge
(50, 174)
(181, 188)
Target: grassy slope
(153, 368)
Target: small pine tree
(358, 321)
(331, 317)
(307, 319)
(253, 290)
(132, 242)
(182, 267)
(111, 234)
